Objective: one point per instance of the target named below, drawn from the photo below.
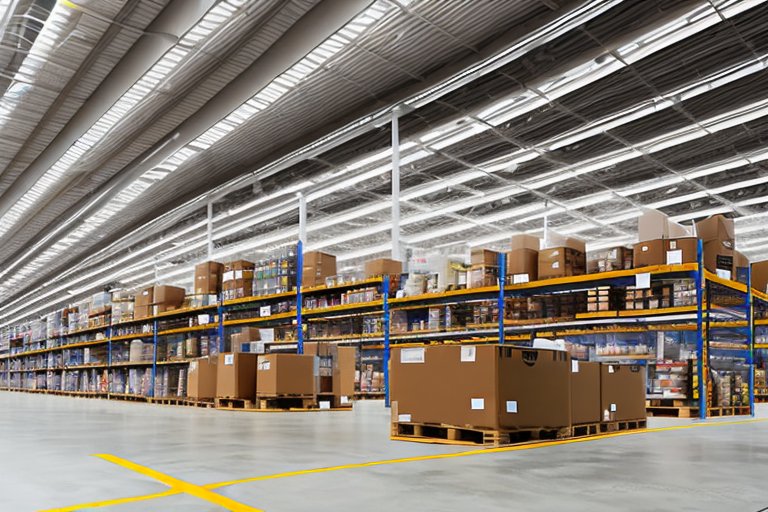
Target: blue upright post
(751, 334)
(299, 299)
(154, 361)
(502, 282)
(385, 293)
(220, 329)
(699, 331)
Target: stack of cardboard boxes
(508, 388)
(523, 259)
(568, 259)
(336, 373)
(167, 298)
(483, 269)
(318, 267)
(237, 280)
(208, 278)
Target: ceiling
(120, 122)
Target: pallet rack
(714, 332)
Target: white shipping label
(723, 274)
(613, 407)
(238, 274)
(478, 404)
(325, 404)
(575, 366)
(344, 400)
(412, 355)
(556, 264)
(203, 319)
(643, 280)
(520, 278)
(675, 257)
(644, 248)
(610, 368)
(468, 354)
(193, 366)
(229, 358)
(512, 407)
(403, 418)
(265, 311)
(264, 365)
(228, 276)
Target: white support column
(302, 219)
(210, 230)
(396, 184)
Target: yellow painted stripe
(180, 485)
(107, 503)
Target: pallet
(128, 398)
(665, 402)
(761, 399)
(738, 410)
(672, 412)
(286, 402)
(205, 403)
(233, 403)
(478, 436)
(368, 396)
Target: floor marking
(177, 490)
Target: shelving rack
(685, 348)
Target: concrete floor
(46, 443)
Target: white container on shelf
(137, 347)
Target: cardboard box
(145, 297)
(140, 312)
(285, 374)
(622, 392)
(718, 236)
(567, 260)
(740, 268)
(760, 276)
(653, 225)
(236, 376)
(383, 267)
(585, 392)
(237, 270)
(525, 242)
(608, 260)
(522, 266)
(682, 250)
(649, 253)
(480, 276)
(169, 296)
(208, 278)
(317, 267)
(201, 378)
(343, 361)
(488, 386)
(484, 257)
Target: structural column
(395, 184)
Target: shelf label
(344, 400)
(478, 404)
(723, 274)
(265, 311)
(675, 257)
(512, 407)
(403, 418)
(575, 366)
(613, 407)
(610, 368)
(229, 359)
(643, 280)
(412, 355)
(519, 278)
(468, 354)
(203, 319)
(325, 404)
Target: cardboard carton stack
(247, 340)
(608, 260)
(236, 376)
(718, 238)
(318, 266)
(208, 278)
(566, 260)
(167, 298)
(277, 273)
(122, 306)
(523, 259)
(760, 276)
(483, 269)
(285, 375)
(509, 388)
(237, 280)
(336, 373)
(383, 267)
(740, 267)
(604, 298)
(143, 303)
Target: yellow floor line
(177, 490)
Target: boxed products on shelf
(143, 303)
(167, 298)
(237, 279)
(653, 225)
(605, 298)
(669, 379)
(122, 312)
(608, 260)
(563, 261)
(383, 267)
(480, 276)
(236, 376)
(523, 259)
(317, 267)
(208, 278)
(277, 273)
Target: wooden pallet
(128, 398)
(739, 410)
(199, 402)
(478, 436)
(761, 399)
(665, 402)
(286, 402)
(368, 396)
(168, 400)
(672, 412)
(233, 403)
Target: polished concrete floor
(47, 443)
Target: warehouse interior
(423, 253)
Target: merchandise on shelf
(237, 280)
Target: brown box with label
(140, 312)
(568, 260)
(718, 236)
(208, 278)
(687, 248)
(622, 392)
(341, 382)
(649, 253)
(171, 296)
(144, 297)
(523, 259)
(285, 374)
(585, 392)
(383, 267)
(608, 260)
(760, 276)
(484, 257)
(488, 386)
(317, 266)
(236, 376)
(201, 379)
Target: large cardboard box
(285, 374)
(208, 278)
(567, 260)
(237, 270)
(622, 392)
(484, 257)
(488, 386)
(201, 378)
(585, 392)
(740, 267)
(140, 312)
(760, 276)
(608, 260)
(653, 225)
(341, 381)
(168, 296)
(145, 297)
(649, 253)
(317, 267)
(383, 267)
(523, 259)
(681, 250)
(718, 235)
(236, 376)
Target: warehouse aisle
(716, 467)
